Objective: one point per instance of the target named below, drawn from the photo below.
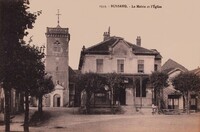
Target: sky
(173, 29)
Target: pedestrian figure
(154, 109)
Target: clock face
(57, 47)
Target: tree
(97, 83)
(29, 71)
(45, 85)
(186, 83)
(159, 80)
(114, 82)
(91, 83)
(14, 19)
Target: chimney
(106, 35)
(83, 49)
(138, 41)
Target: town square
(85, 66)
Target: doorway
(56, 100)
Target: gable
(122, 49)
(171, 64)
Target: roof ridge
(98, 44)
(117, 40)
(147, 50)
(140, 46)
(176, 63)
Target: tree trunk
(112, 100)
(21, 102)
(7, 109)
(188, 102)
(184, 96)
(40, 106)
(159, 100)
(162, 98)
(155, 97)
(88, 102)
(26, 117)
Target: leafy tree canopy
(45, 85)
(159, 80)
(91, 82)
(186, 82)
(15, 20)
(29, 68)
(114, 80)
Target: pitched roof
(59, 87)
(196, 71)
(171, 91)
(71, 71)
(171, 65)
(103, 47)
(72, 75)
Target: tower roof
(57, 32)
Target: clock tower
(56, 64)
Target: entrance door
(122, 96)
(56, 100)
(129, 96)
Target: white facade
(120, 51)
(177, 102)
(56, 97)
(115, 55)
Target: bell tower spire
(58, 14)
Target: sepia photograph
(99, 66)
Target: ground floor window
(173, 101)
(101, 99)
(193, 100)
(140, 89)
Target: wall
(56, 63)
(110, 64)
(120, 51)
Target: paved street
(65, 119)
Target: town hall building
(132, 61)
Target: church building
(56, 65)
